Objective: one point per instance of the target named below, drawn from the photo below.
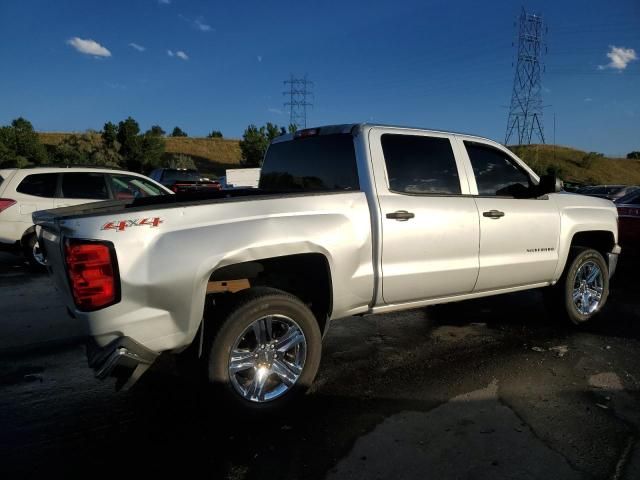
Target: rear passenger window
(315, 163)
(39, 185)
(496, 173)
(84, 185)
(420, 165)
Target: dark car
(610, 192)
(629, 222)
(183, 180)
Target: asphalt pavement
(490, 388)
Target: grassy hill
(577, 166)
(215, 155)
(212, 156)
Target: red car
(629, 228)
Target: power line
(525, 110)
(299, 90)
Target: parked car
(183, 180)
(348, 220)
(629, 215)
(610, 192)
(24, 191)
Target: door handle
(493, 214)
(400, 215)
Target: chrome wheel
(588, 287)
(268, 358)
(37, 254)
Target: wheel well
(307, 276)
(599, 240)
(29, 231)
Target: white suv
(24, 191)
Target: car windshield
(630, 198)
(177, 176)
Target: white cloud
(137, 47)
(588, 99)
(200, 25)
(164, 2)
(620, 57)
(88, 47)
(275, 110)
(259, 57)
(179, 54)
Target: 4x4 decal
(121, 225)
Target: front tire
(582, 290)
(266, 350)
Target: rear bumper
(612, 260)
(119, 358)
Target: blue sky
(436, 64)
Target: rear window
(39, 185)
(319, 163)
(84, 185)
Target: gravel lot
(491, 388)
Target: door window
(84, 185)
(39, 185)
(496, 173)
(420, 165)
(125, 187)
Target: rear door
(77, 188)
(430, 230)
(519, 233)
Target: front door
(519, 234)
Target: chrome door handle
(400, 215)
(493, 214)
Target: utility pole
(525, 110)
(554, 137)
(298, 91)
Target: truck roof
(349, 127)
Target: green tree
(215, 134)
(21, 145)
(178, 132)
(255, 142)
(151, 151)
(633, 156)
(87, 149)
(157, 130)
(109, 134)
(293, 128)
(253, 146)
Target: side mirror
(549, 184)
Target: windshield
(630, 198)
(176, 176)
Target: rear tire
(266, 350)
(582, 290)
(33, 254)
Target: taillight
(92, 273)
(6, 203)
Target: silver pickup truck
(348, 220)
